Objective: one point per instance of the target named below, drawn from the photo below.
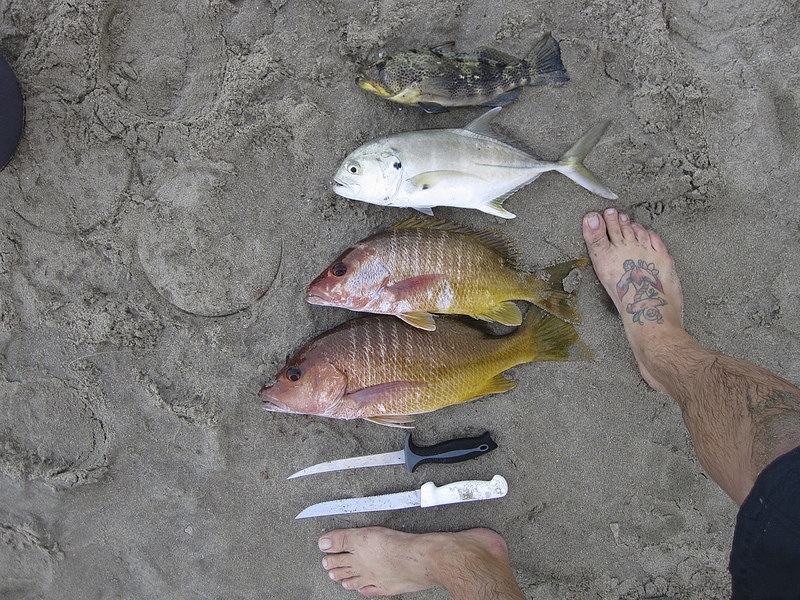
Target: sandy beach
(170, 201)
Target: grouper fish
(467, 168)
(424, 265)
(380, 369)
(438, 78)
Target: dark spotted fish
(439, 78)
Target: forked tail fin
(571, 163)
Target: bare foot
(639, 275)
(377, 561)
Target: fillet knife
(428, 495)
(412, 455)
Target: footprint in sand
(206, 248)
(163, 60)
(50, 433)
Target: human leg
(741, 417)
(471, 565)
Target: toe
(333, 541)
(611, 217)
(656, 242)
(594, 232)
(626, 229)
(337, 561)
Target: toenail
(610, 211)
(623, 217)
(593, 221)
(325, 543)
(324, 563)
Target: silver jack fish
(466, 168)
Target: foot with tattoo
(740, 416)
(376, 561)
(639, 275)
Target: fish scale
(380, 369)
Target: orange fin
(415, 285)
(505, 313)
(400, 421)
(419, 319)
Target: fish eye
(354, 168)
(339, 269)
(293, 374)
(381, 65)
(397, 165)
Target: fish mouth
(371, 86)
(317, 299)
(346, 190)
(269, 403)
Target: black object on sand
(11, 113)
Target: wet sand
(169, 202)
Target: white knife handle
(462, 491)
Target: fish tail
(571, 163)
(547, 289)
(544, 61)
(548, 338)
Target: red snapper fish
(424, 266)
(380, 369)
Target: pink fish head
(355, 280)
(309, 384)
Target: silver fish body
(467, 168)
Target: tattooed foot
(639, 274)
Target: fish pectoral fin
(400, 421)
(415, 285)
(496, 385)
(382, 393)
(432, 108)
(430, 179)
(419, 319)
(505, 313)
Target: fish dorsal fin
(489, 237)
(446, 49)
(505, 313)
(496, 57)
(483, 124)
(400, 421)
(419, 319)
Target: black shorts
(765, 558)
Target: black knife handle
(447, 452)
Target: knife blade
(428, 495)
(412, 455)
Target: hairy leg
(471, 565)
(740, 416)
